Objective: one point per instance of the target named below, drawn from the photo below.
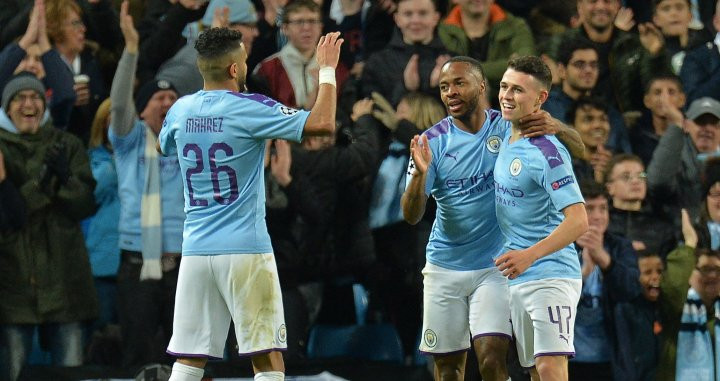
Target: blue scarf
(695, 360)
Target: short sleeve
(555, 174)
(166, 139)
(266, 118)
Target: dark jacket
(384, 69)
(12, 207)
(674, 174)
(619, 283)
(646, 225)
(559, 103)
(342, 178)
(630, 69)
(44, 268)
(637, 350)
(700, 73)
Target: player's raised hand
(328, 50)
(420, 153)
(514, 262)
(132, 39)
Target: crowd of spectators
(89, 247)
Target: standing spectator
(610, 275)
(646, 133)
(494, 36)
(635, 215)
(636, 345)
(412, 59)
(626, 61)
(46, 284)
(101, 233)
(578, 68)
(67, 33)
(289, 76)
(673, 18)
(151, 207)
(700, 71)
(675, 169)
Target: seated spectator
(636, 345)
(633, 214)
(578, 71)
(290, 76)
(412, 59)
(610, 276)
(46, 282)
(589, 117)
(675, 169)
(67, 33)
(646, 133)
(699, 73)
(494, 36)
(33, 53)
(673, 18)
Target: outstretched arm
(322, 116)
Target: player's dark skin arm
(414, 199)
(541, 123)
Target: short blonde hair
(425, 110)
(98, 132)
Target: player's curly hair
(217, 42)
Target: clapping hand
(386, 113)
(420, 153)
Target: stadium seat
(374, 342)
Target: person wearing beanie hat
(26, 116)
(51, 170)
(151, 205)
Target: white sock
(182, 372)
(270, 376)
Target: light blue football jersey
(534, 182)
(219, 137)
(465, 235)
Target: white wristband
(327, 75)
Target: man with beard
(465, 297)
(228, 269)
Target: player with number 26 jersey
(220, 141)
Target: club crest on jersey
(515, 166)
(282, 333)
(288, 110)
(493, 144)
(430, 338)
